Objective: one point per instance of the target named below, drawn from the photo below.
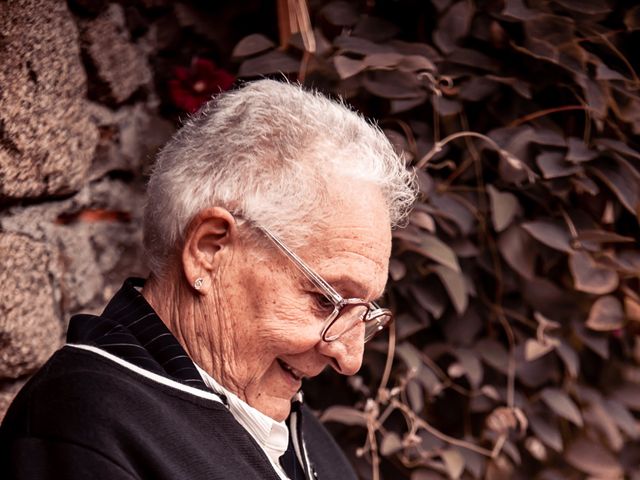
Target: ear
(211, 231)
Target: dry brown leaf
(392, 84)
(551, 233)
(606, 314)
(632, 308)
(435, 249)
(578, 151)
(360, 46)
(596, 341)
(518, 249)
(518, 10)
(397, 269)
(570, 359)
(589, 7)
(272, 62)
(453, 462)
(621, 181)
(382, 60)
(562, 405)
(592, 458)
(623, 418)
(504, 207)
(534, 349)
(494, 354)
(590, 277)
(471, 365)
(252, 45)
(453, 25)
(345, 415)
(340, 13)
(391, 443)
(553, 165)
(431, 301)
(547, 431)
(602, 236)
(632, 18)
(599, 419)
(629, 395)
(423, 220)
(536, 448)
(347, 67)
(455, 285)
(415, 63)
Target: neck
(193, 324)
(167, 297)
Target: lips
(296, 374)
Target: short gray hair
(267, 151)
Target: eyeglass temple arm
(310, 274)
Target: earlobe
(210, 232)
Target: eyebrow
(346, 284)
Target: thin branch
(511, 367)
(439, 145)
(390, 354)
(375, 457)
(542, 113)
(437, 433)
(620, 55)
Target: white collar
(271, 435)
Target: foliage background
(516, 282)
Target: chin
(277, 409)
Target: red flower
(193, 86)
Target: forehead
(351, 249)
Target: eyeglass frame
(374, 311)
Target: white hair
(267, 151)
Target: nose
(346, 352)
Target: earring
(198, 283)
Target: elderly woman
(268, 234)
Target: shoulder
(77, 390)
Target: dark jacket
(122, 400)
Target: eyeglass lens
(349, 317)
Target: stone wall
(79, 125)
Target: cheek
(277, 316)
(288, 327)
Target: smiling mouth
(296, 374)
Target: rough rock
(30, 326)
(129, 138)
(98, 235)
(120, 67)
(46, 139)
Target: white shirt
(272, 436)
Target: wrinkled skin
(256, 311)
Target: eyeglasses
(347, 312)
